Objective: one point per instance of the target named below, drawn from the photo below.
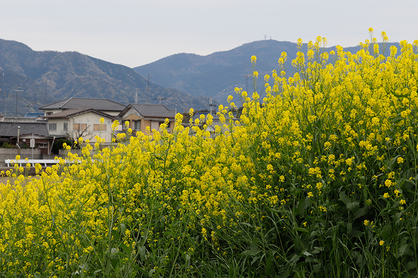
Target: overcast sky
(134, 33)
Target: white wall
(90, 119)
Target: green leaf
(122, 228)
(317, 268)
(356, 233)
(353, 206)
(303, 205)
(270, 271)
(361, 212)
(402, 249)
(285, 274)
(349, 227)
(411, 265)
(303, 230)
(306, 253)
(293, 260)
(141, 251)
(252, 252)
(317, 250)
(387, 231)
(344, 198)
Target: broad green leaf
(344, 198)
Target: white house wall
(90, 119)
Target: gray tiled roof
(74, 112)
(95, 103)
(153, 110)
(8, 129)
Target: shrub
(318, 179)
(58, 144)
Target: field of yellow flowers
(318, 178)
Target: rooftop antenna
(161, 98)
(32, 104)
(148, 76)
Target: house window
(126, 124)
(80, 127)
(137, 125)
(65, 127)
(52, 127)
(156, 125)
(99, 127)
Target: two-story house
(82, 122)
(141, 116)
(81, 117)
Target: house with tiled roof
(141, 116)
(80, 117)
(20, 133)
(81, 122)
(104, 105)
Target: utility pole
(17, 96)
(136, 96)
(5, 99)
(211, 104)
(5, 103)
(246, 81)
(45, 93)
(148, 76)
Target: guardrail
(31, 161)
(35, 161)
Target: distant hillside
(49, 76)
(219, 73)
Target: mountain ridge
(47, 76)
(217, 74)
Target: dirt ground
(3, 179)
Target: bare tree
(75, 136)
